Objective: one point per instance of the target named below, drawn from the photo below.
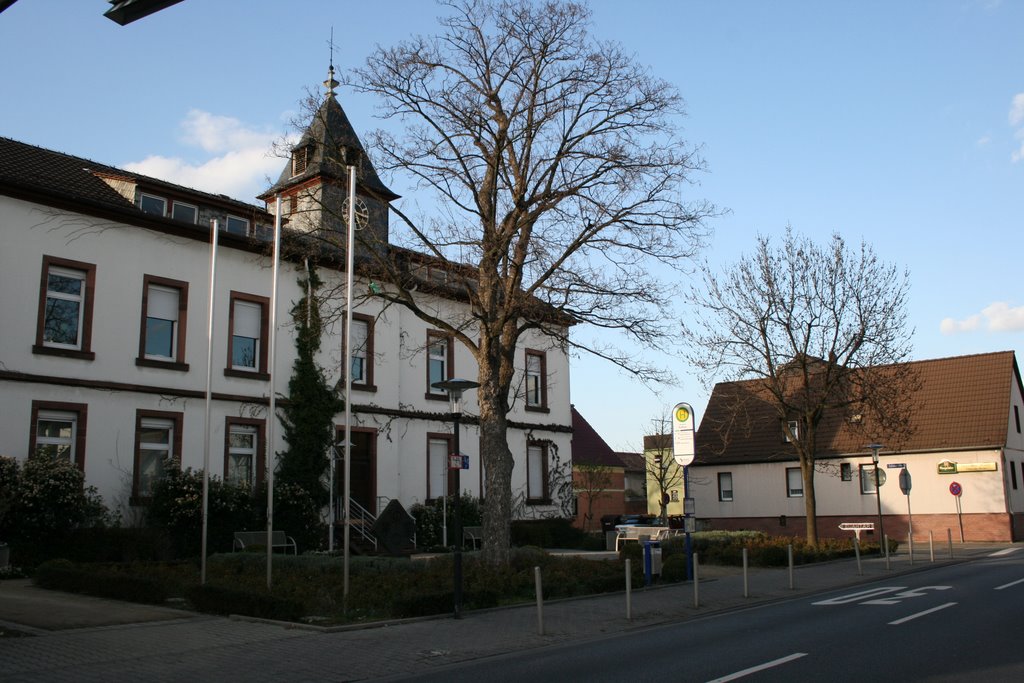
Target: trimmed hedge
(221, 600)
(62, 575)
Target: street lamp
(875, 447)
(455, 387)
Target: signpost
(957, 490)
(905, 484)
(683, 452)
(857, 527)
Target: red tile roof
(588, 448)
(962, 403)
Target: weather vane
(330, 83)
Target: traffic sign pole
(683, 452)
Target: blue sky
(901, 123)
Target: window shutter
(162, 303)
(247, 319)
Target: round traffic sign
(955, 488)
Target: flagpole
(209, 396)
(272, 416)
(350, 261)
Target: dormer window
(152, 204)
(184, 212)
(794, 429)
(238, 226)
(300, 159)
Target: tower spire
(330, 83)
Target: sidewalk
(130, 642)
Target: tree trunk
(497, 461)
(810, 500)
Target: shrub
(553, 532)
(49, 498)
(431, 518)
(65, 576)
(220, 600)
(673, 568)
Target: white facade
(110, 394)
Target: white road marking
(920, 614)
(1007, 585)
(759, 667)
(861, 595)
(1004, 551)
(900, 597)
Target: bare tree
(558, 173)
(591, 482)
(821, 329)
(661, 467)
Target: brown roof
(588, 448)
(962, 403)
(633, 462)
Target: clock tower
(314, 183)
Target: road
(954, 623)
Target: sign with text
(682, 434)
(458, 462)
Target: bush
(221, 600)
(431, 517)
(65, 576)
(46, 499)
(553, 532)
(673, 568)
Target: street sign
(689, 506)
(905, 481)
(854, 526)
(458, 462)
(896, 465)
(956, 489)
(682, 434)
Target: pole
(878, 503)
(686, 526)
(696, 581)
(910, 530)
(746, 584)
(538, 587)
(931, 546)
(209, 395)
(457, 509)
(629, 592)
(789, 553)
(272, 416)
(856, 551)
(332, 453)
(347, 364)
(960, 518)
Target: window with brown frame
(440, 363)
(440, 479)
(157, 447)
(59, 429)
(244, 451)
(362, 352)
(537, 472)
(536, 381)
(249, 328)
(164, 321)
(66, 296)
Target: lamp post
(875, 447)
(455, 387)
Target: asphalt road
(956, 623)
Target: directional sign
(905, 481)
(682, 434)
(956, 489)
(852, 526)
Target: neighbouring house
(665, 479)
(103, 354)
(965, 436)
(606, 483)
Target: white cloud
(998, 317)
(950, 326)
(1018, 154)
(983, 140)
(1004, 318)
(242, 160)
(1017, 110)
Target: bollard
(856, 551)
(629, 592)
(885, 541)
(790, 553)
(540, 601)
(949, 538)
(696, 583)
(931, 547)
(910, 547)
(746, 585)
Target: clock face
(362, 213)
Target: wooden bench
(640, 533)
(250, 539)
(473, 535)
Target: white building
(104, 283)
(965, 430)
